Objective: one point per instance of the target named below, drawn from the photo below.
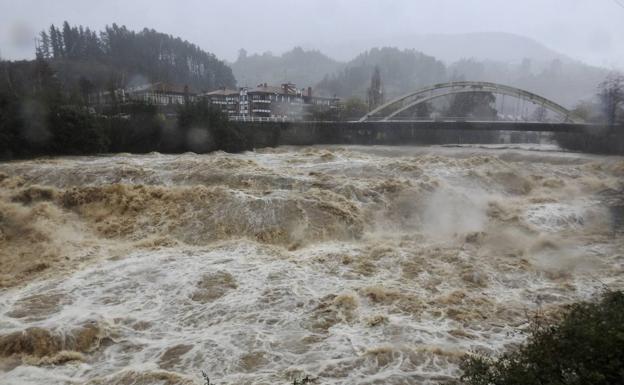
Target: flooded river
(348, 264)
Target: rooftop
(284, 89)
(162, 88)
(222, 92)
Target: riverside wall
(579, 136)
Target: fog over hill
(405, 65)
(304, 68)
(495, 46)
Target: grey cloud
(589, 30)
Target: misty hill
(423, 60)
(494, 46)
(117, 57)
(497, 57)
(401, 71)
(565, 82)
(304, 68)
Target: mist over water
(349, 264)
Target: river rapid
(348, 264)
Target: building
(261, 103)
(268, 103)
(310, 99)
(226, 99)
(161, 94)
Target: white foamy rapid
(347, 264)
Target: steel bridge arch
(394, 107)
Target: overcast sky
(589, 30)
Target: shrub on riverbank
(34, 128)
(204, 128)
(39, 116)
(586, 347)
(610, 140)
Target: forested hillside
(551, 81)
(42, 101)
(117, 57)
(401, 71)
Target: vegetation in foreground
(37, 117)
(45, 110)
(585, 347)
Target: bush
(136, 128)
(39, 118)
(586, 347)
(206, 128)
(10, 126)
(609, 140)
(75, 132)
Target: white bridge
(394, 109)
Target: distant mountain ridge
(497, 57)
(304, 68)
(401, 71)
(117, 57)
(494, 46)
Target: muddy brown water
(349, 264)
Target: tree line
(401, 71)
(37, 119)
(87, 61)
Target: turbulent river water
(348, 264)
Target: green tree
(403, 71)
(56, 42)
(74, 131)
(138, 128)
(304, 68)
(131, 58)
(44, 48)
(323, 114)
(68, 40)
(354, 108)
(479, 105)
(611, 95)
(205, 128)
(10, 125)
(586, 347)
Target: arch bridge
(394, 109)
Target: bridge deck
(270, 134)
(459, 125)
